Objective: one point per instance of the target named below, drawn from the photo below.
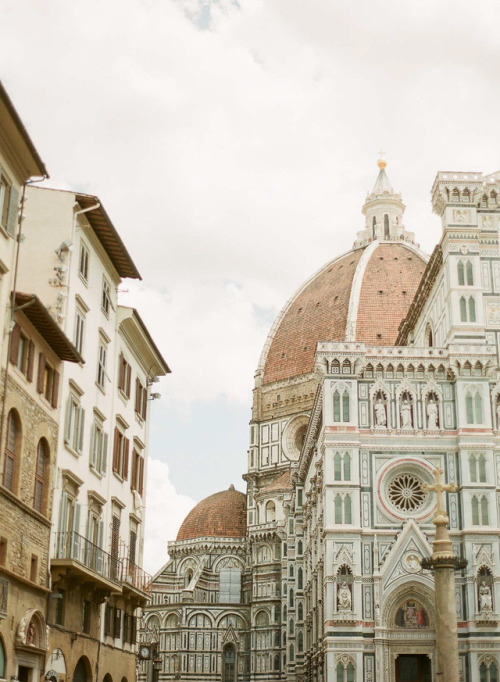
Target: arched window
(461, 273)
(488, 673)
(338, 509)
(345, 407)
(291, 626)
(374, 225)
(300, 579)
(482, 468)
(472, 310)
(336, 406)
(347, 509)
(188, 577)
(41, 476)
(463, 309)
(337, 467)
(270, 512)
(470, 273)
(430, 340)
(345, 673)
(277, 659)
(475, 511)
(478, 405)
(484, 201)
(479, 506)
(300, 642)
(11, 462)
(455, 195)
(347, 467)
(300, 611)
(386, 225)
(290, 571)
(277, 638)
(466, 196)
(484, 511)
(300, 550)
(290, 598)
(346, 367)
(291, 653)
(335, 367)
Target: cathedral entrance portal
(413, 668)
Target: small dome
(223, 515)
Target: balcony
(136, 581)
(4, 592)
(77, 557)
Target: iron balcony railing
(72, 545)
(136, 576)
(4, 593)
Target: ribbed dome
(363, 295)
(223, 515)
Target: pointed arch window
(300, 579)
(337, 467)
(472, 309)
(470, 273)
(386, 226)
(345, 673)
(488, 673)
(463, 309)
(300, 611)
(336, 406)
(341, 406)
(343, 509)
(300, 642)
(342, 466)
(479, 506)
(347, 467)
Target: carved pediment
(403, 558)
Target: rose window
(405, 492)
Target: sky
(232, 143)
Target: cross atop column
(439, 488)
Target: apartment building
(74, 258)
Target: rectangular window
(22, 352)
(59, 599)
(33, 568)
(105, 297)
(99, 448)
(83, 267)
(137, 479)
(124, 376)
(79, 330)
(47, 381)
(86, 614)
(121, 454)
(3, 551)
(75, 419)
(109, 620)
(101, 365)
(141, 399)
(9, 199)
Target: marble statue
(380, 417)
(432, 414)
(344, 599)
(485, 601)
(406, 415)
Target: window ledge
(95, 472)
(118, 476)
(84, 281)
(101, 388)
(69, 448)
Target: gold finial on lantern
(381, 163)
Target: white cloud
(165, 512)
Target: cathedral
(382, 366)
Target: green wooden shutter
(104, 453)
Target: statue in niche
(380, 416)
(405, 409)
(432, 414)
(485, 600)
(344, 598)
(30, 635)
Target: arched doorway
(107, 678)
(82, 671)
(229, 663)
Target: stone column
(443, 562)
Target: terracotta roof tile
(221, 515)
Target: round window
(405, 492)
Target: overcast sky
(232, 144)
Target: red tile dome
(365, 293)
(222, 515)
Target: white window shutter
(75, 545)
(81, 422)
(93, 447)
(63, 526)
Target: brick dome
(222, 515)
(363, 295)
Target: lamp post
(444, 564)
